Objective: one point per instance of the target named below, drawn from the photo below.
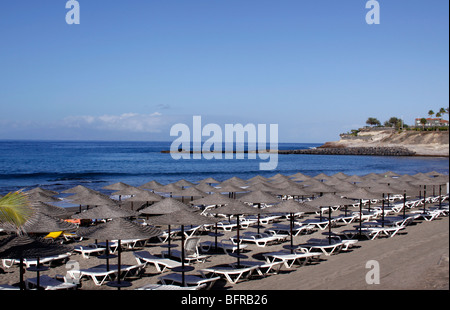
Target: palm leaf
(15, 209)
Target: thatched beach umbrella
(355, 179)
(152, 185)
(360, 194)
(105, 212)
(38, 196)
(205, 187)
(165, 206)
(215, 199)
(209, 181)
(291, 206)
(384, 190)
(330, 200)
(25, 247)
(40, 223)
(236, 181)
(116, 186)
(237, 208)
(428, 181)
(119, 229)
(191, 192)
(182, 218)
(257, 198)
(91, 199)
(230, 189)
(183, 183)
(171, 189)
(42, 190)
(319, 188)
(144, 196)
(49, 209)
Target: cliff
(420, 143)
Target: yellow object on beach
(54, 234)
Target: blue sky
(132, 69)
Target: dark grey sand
(415, 259)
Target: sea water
(59, 165)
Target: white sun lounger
(86, 251)
(226, 245)
(201, 258)
(48, 283)
(189, 280)
(263, 268)
(7, 263)
(98, 274)
(322, 245)
(161, 264)
(322, 225)
(165, 287)
(261, 239)
(289, 259)
(232, 275)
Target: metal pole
(238, 241)
(182, 255)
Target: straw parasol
(170, 188)
(362, 193)
(42, 190)
(291, 206)
(153, 185)
(355, 179)
(230, 189)
(49, 209)
(165, 206)
(117, 186)
(23, 247)
(41, 223)
(213, 199)
(205, 187)
(257, 198)
(144, 196)
(320, 188)
(208, 181)
(330, 200)
(291, 189)
(91, 199)
(183, 183)
(340, 175)
(119, 229)
(191, 192)
(104, 212)
(236, 181)
(40, 196)
(182, 218)
(237, 208)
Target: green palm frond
(15, 209)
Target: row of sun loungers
(197, 252)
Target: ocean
(59, 165)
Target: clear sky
(132, 69)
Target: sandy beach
(417, 258)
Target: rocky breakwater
(373, 151)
